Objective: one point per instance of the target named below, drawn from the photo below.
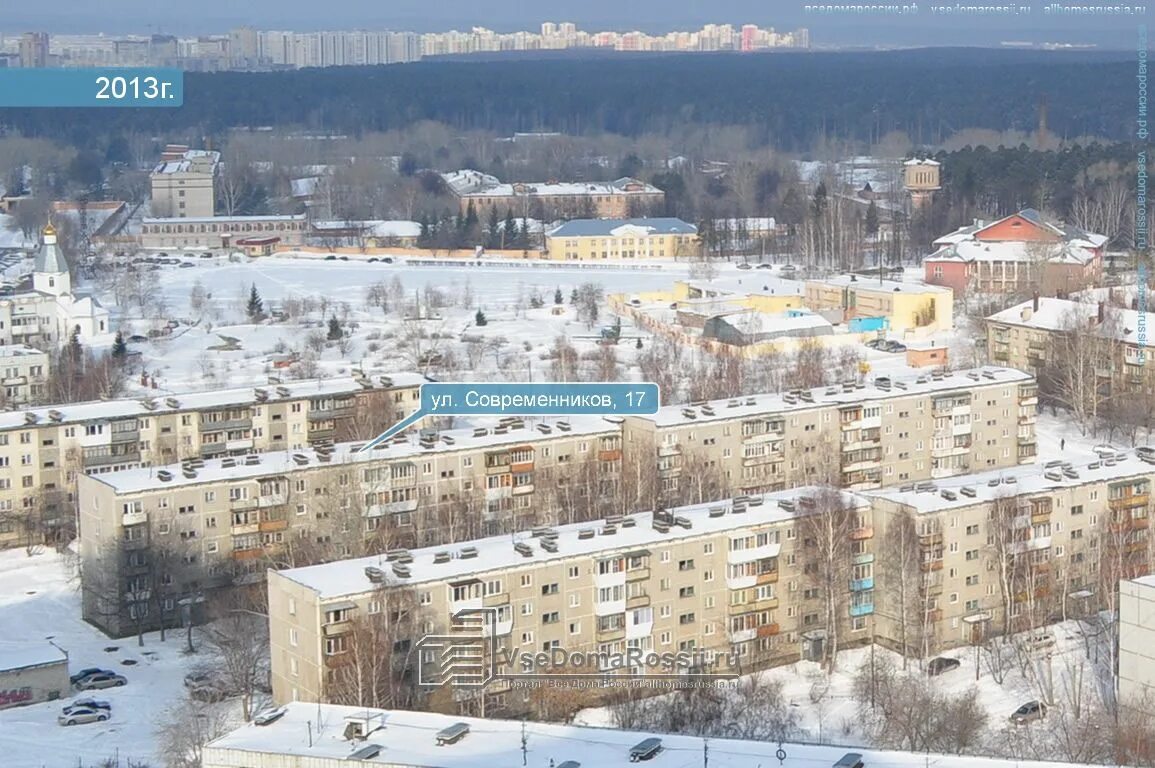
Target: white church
(46, 316)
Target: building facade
(855, 436)
(1051, 337)
(907, 307)
(1137, 643)
(723, 579)
(1011, 550)
(592, 239)
(221, 231)
(552, 200)
(233, 518)
(47, 449)
(183, 183)
(1018, 254)
(25, 375)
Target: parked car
(1038, 641)
(850, 760)
(87, 672)
(268, 716)
(1029, 712)
(764, 265)
(875, 343)
(941, 664)
(197, 679)
(745, 266)
(186, 264)
(83, 715)
(206, 255)
(102, 680)
(893, 346)
(331, 257)
(87, 704)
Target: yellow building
(590, 239)
(906, 306)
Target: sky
(216, 16)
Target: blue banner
(95, 87)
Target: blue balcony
(861, 585)
(862, 610)
(864, 558)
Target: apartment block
(25, 374)
(724, 582)
(1137, 642)
(1042, 332)
(1012, 549)
(182, 183)
(44, 450)
(552, 200)
(224, 521)
(857, 435)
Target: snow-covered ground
(40, 601)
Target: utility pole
(524, 751)
(705, 753)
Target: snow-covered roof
(23, 656)
(757, 224)
(757, 325)
(315, 732)
(1013, 481)
(73, 413)
(623, 227)
(623, 186)
(304, 187)
(1146, 581)
(346, 578)
(886, 286)
(916, 161)
(190, 160)
(1058, 314)
(751, 283)
(224, 219)
(1074, 242)
(901, 386)
(20, 350)
(373, 227)
(467, 180)
(49, 258)
(970, 250)
(409, 446)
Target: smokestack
(1035, 302)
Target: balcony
(227, 424)
(637, 601)
(1000, 355)
(931, 590)
(769, 630)
(1129, 502)
(1040, 517)
(930, 539)
(743, 635)
(931, 565)
(209, 450)
(767, 578)
(330, 412)
(610, 635)
(120, 437)
(337, 628)
(861, 534)
(248, 554)
(861, 585)
(110, 459)
(245, 529)
(239, 505)
(522, 490)
(864, 558)
(614, 454)
(495, 601)
(134, 518)
(271, 500)
(862, 610)
(270, 526)
(638, 574)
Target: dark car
(1029, 712)
(744, 266)
(88, 672)
(331, 257)
(87, 704)
(941, 665)
(763, 265)
(850, 760)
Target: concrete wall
(33, 685)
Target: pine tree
(480, 319)
(573, 297)
(872, 219)
(493, 240)
(335, 331)
(513, 235)
(119, 348)
(424, 236)
(507, 229)
(75, 351)
(557, 297)
(639, 344)
(255, 307)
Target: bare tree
(186, 728)
(827, 523)
(376, 668)
(238, 635)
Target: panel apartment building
(182, 183)
(1016, 548)
(857, 436)
(726, 577)
(221, 522)
(44, 450)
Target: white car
(269, 716)
(83, 715)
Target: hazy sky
(204, 16)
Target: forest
(788, 100)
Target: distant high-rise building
(244, 46)
(548, 29)
(34, 49)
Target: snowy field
(40, 601)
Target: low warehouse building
(32, 674)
